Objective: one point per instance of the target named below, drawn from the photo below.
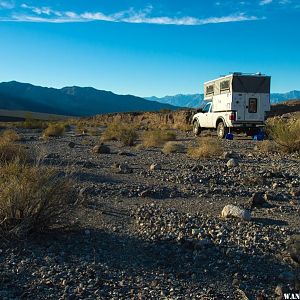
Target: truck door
(206, 121)
(239, 105)
(253, 108)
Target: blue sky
(148, 47)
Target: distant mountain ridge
(195, 100)
(71, 101)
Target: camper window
(224, 85)
(210, 90)
(252, 108)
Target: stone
(154, 167)
(71, 144)
(227, 155)
(204, 243)
(295, 192)
(101, 149)
(287, 276)
(258, 200)
(293, 248)
(232, 163)
(52, 156)
(125, 153)
(124, 169)
(196, 231)
(278, 290)
(236, 212)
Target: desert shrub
(80, 128)
(127, 134)
(139, 147)
(155, 138)
(165, 111)
(93, 131)
(33, 124)
(173, 147)
(54, 130)
(286, 134)
(184, 127)
(9, 135)
(32, 198)
(267, 146)
(253, 180)
(10, 151)
(207, 147)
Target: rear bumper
(248, 124)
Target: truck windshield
(251, 84)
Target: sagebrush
(9, 135)
(10, 151)
(156, 138)
(207, 147)
(32, 198)
(54, 130)
(173, 147)
(285, 133)
(127, 134)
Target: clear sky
(148, 47)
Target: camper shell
(240, 101)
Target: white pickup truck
(235, 103)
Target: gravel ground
(137, 233)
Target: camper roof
(236, 74)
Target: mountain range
(195, 100)
(87, 101)
(71, 101)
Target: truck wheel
(196, 128)
(221, 130)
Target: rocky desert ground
(148, 225)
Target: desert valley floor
(136, 233)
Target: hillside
(195, 100)
(72, 101)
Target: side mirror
(199, 110)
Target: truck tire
(221, 130)
(196, 128)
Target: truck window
(224, 85)
(252, 108)
(206, 108)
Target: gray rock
(124, 169)
(236, 212)
(278, 290)
(293, 248)
(101, 149)
(232, 163)
(71, 144)
(154, 167)
(258, 200)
